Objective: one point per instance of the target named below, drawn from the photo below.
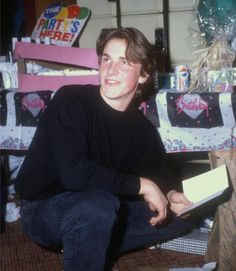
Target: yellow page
(206, 185)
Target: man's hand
(178, 201)
(155, 199)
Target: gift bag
(222, 241)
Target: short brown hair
(138, 50)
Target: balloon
(52, 11)
(73, 11)
(217, 17)
(84, 12)
(62, 14)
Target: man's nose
(113, 68)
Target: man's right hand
(155, 198)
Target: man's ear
(143, 78)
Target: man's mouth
(112, 82)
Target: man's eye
(104, 59)
(124, 62)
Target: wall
(146, 16)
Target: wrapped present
(214, 55)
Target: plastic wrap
(213, 53)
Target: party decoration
(217, 18)
(52, 11)
(84, 12)
(212, 69)
(62, 14)
(73, 11)
(61, 24)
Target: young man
(95, 180)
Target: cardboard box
(57, 58)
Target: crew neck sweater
(82, 143)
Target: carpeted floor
(18, 253)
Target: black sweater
(82, 143)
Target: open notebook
(205, 187)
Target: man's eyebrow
(121, 57)
(105, 54)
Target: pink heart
(192, 105)
(33, 103)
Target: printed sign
(22, 111)
(191, 122)
(61, 24)
(194, 111)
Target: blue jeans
(94, 226)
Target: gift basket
(214, 53)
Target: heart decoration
(33, 103)
(192, 105)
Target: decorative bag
(222, 241)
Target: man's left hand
(177, 201)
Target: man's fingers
(159, 218)
(155, 220)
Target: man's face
(119, 78)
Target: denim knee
(94, 207)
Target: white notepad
(204, 187)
